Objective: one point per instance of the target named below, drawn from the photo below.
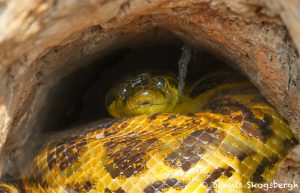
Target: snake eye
(116, 94)
(160, 82)
(123, 90)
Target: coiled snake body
(220, 136)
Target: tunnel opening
(77, 96)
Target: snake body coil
(220, 136)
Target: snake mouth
(63, 85)
(148, 103)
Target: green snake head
(143, 93)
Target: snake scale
(219, 134)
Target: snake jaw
(151, 107)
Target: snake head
(143, 93)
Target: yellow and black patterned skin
(9, 188)
(221, 136)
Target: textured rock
(42, 41)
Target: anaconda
(219, 136)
